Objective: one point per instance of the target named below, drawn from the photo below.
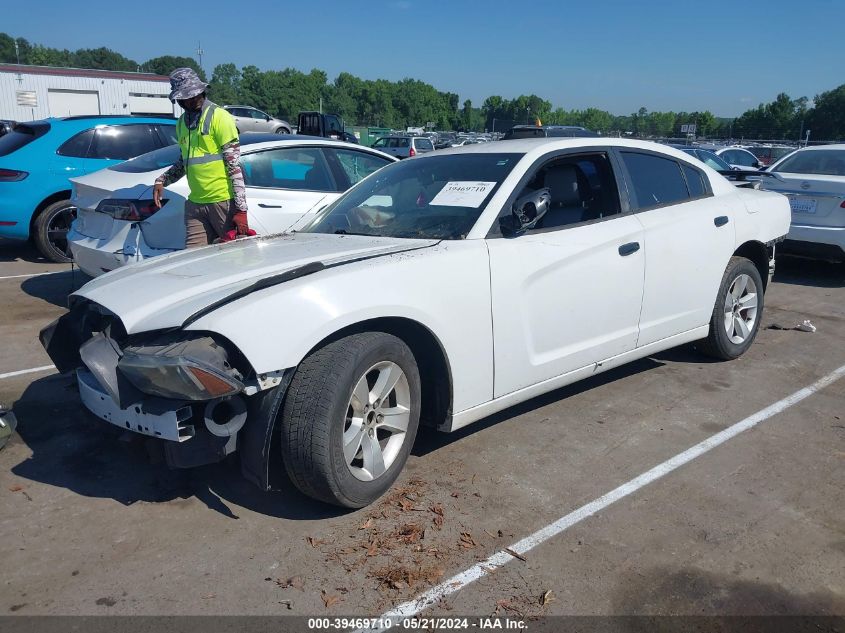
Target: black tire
(315, 413)
(718, 344)
(51, 227)
(282, 130)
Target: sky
(615, 55)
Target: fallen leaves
(294, 582)
(314, 542)
(466, 541)
(546, 597)
(401, 577)
(329, 599)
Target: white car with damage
(437, 291)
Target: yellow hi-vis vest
(202, 155)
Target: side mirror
(526, 212)
(266, 117)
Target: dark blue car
(37, 158)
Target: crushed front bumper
(145, 418)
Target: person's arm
(232, 157)
(174, 173)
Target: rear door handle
(722, 220)
(269, 206)
(630, 247)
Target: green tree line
(410, 102)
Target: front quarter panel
(445, 288)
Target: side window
(257, 114)
(167, 133)
(358, 165)
(582, 189)
(403, 142)
(695, 182)
(298, 168)
(77, 146)
(423, 143)
(382, 142)
(333, 124)
(122, 142)
(656, 181)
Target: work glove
(241, 224)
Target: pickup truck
(325, 125)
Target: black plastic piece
(256, 437)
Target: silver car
(404, 146)
(249, 119)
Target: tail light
(133, 210)
(412, 153)
(842, 206)
(12, 175)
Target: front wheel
(51, 229)
(282, 130)
(737, 313)
(350, 418)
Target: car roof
(539, 145)
(262, 140)
(813, 148)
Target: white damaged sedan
(437, 291)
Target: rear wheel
(350, 418)
(737, 313)
(51, 229)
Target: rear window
(22, 135)
(151, 161)
(825, 162)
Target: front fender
(446, 289)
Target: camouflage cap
(185, 83)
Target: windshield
(432, 198)
(151, 161)
(824, 162)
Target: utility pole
(200, 53)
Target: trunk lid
(90, 190)
(815, 200)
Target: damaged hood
(165, 291)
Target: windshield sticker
(463, 193)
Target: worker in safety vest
(210, 157)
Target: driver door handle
(269, 206)
(629, 248)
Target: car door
(689, 238)
(285, 184)
(568, 293)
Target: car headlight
(195, 369)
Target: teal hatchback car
(37, 158)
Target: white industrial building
(37, 92)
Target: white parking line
(52, 272)
(21, 372)
(501, 558)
